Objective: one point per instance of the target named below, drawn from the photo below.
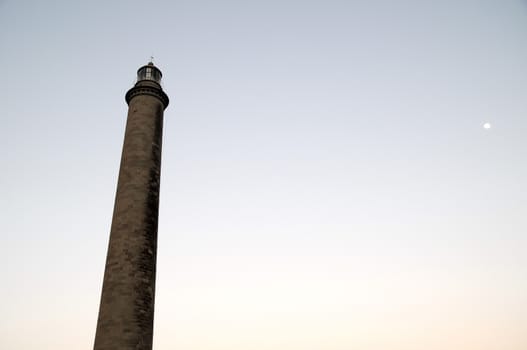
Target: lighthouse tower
(126, 313)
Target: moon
(487, 126)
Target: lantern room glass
(149, 73)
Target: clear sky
(327, 181)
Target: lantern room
(149, 72)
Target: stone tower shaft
(126, 313)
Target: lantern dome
(149, 72)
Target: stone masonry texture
(126, 313)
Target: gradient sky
(327, 181)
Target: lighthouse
(126, 312)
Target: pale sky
(327, 182)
